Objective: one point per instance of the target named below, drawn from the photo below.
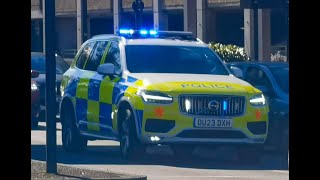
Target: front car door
(111, 90)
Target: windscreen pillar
(190, 16)
(264, 35)
(117, 4)
(81, 22)
(160, 19)
(201, 19)
(249, 33)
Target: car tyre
(72, 140)
(130, 147)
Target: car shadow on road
(99, 155)
(41, 128)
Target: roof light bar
(143, 33)
(126, 31)
(152, 32)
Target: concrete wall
(223, 19)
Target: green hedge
(229, 53)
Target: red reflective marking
(258, 115)
(159, 111)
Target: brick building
(211, 20)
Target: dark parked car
(272, 78)
(38, 64)
(35, 99)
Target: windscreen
(173, 59)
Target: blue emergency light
(152, 32)
(224, 105)
(135, 32)
(143, 33)
(126, 31)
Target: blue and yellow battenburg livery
(167, 108)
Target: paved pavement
(159, 163)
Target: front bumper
(148, 139)
(246, 129)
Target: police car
(147, 87)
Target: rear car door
(79, 85)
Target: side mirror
(237, 72)
(34, 74)
(106, 69)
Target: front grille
(199, 105)
(227, 134)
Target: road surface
(159, 164)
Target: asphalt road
(160, 162)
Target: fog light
(155, 138)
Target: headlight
(258, 100)
(34, 87)
(154, 97)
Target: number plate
(213, 122)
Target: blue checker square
(105, 114)
(94, 89)
(72, 87)
(131, 79)
(81, 109)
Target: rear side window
(85, 54)
(95, 59)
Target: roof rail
(103, 35)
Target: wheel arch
(67, 104)
(124, 102)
